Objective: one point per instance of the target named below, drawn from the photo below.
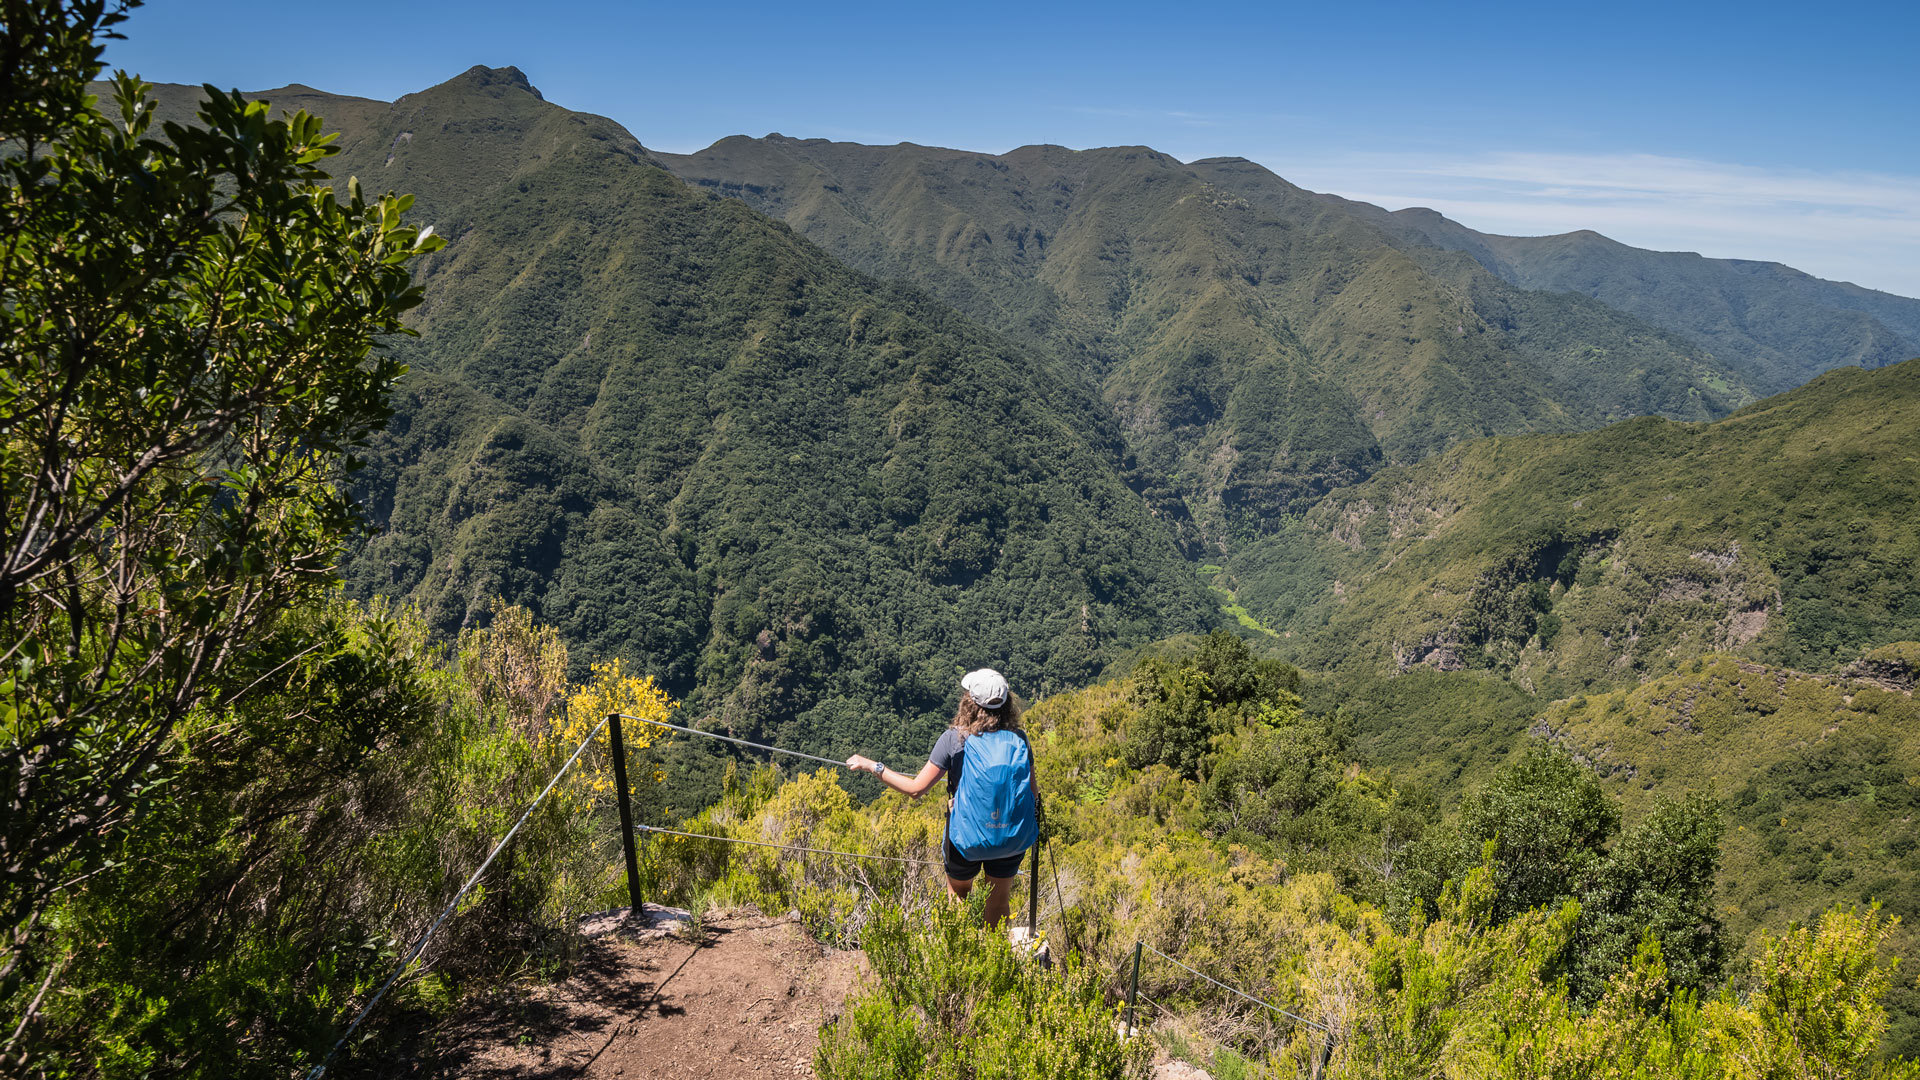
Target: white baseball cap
(987, 687)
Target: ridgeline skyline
(1734, 132)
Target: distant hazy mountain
(1775, 325)
(1260, 344)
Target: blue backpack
(993, 810)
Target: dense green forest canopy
(1785, 532)
(1262, 345)
(687, 437)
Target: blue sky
(1751, 130)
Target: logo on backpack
(993, 808)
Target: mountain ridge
(1204, 314)
(1888, 330)
(680, 432)
(1793, 324)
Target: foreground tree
(189, 361)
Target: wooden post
(1133, 991)
(626, 816)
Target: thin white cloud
(1859, 227)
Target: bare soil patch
(747, 1000)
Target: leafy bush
(835, 894)
(194, 330)
(949, 999)
(310, 836)
(1544, 832)
(1184, 701)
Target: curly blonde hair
(971, 719)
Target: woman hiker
(992, 812)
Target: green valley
(1260, 345)
(1441, 654)
(1785, 532)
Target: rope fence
(787, 847)
(629, 828)
(1169, 1013)
(1233, 989)
(420, 946)
(1134, 996)
(738, 742)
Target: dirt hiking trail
(746, 1001)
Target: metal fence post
(626, 815)
(1133, 991)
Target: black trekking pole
(1033, 882)
(1060, 897)
(1033, 898)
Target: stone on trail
(656, 921)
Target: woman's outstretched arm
(915, 786)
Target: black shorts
(961, 868)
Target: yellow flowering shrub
(611, 690)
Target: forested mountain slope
(1786, 532)
(1261, 345)
(686, 436)
(1813, 769)
(1776, 325)
(1813, 776)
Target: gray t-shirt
(947, 754)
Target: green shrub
(313, 834)
(953, 1000)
